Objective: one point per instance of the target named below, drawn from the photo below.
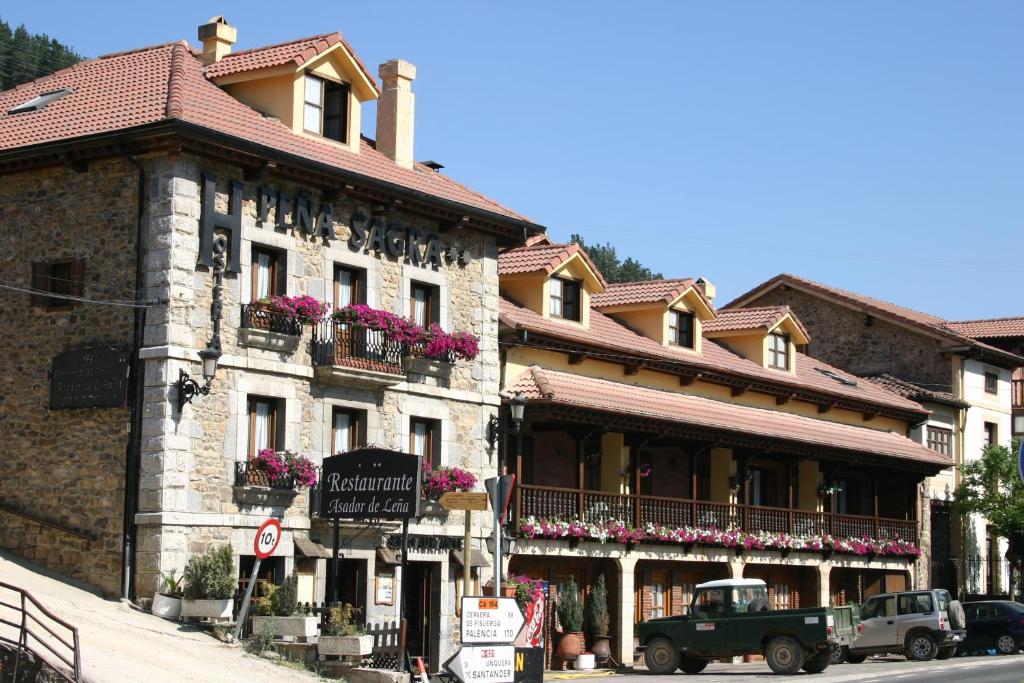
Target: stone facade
(65, 466)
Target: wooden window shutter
(77, 284)
(40, 281)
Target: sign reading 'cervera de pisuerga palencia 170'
(313, 219)
(371, 483)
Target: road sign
(267, 538)
(491, 620)
(491, 663)
(462, 500)
(500, 491)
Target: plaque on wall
(94, 377)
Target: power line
(69, 297)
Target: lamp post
(188, 388)
(497, 431)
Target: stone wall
(66, 466)
(842, 337)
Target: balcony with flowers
(276, 323)
(359, 344)
(273, 477)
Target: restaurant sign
(370, 483)
(94, 377)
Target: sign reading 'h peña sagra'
(370, 483)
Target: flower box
(344, 646)
(430, 367)
(297, 627)
(165, 606)
(210, 609)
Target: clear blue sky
(877, 146)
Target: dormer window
(680, 329)
(326, 108)
(778, 351)
(565, 299)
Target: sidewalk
(120, 644)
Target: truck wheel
(1006, 644)
(957, 618)
(661, 656)
(819, 662)
(920, 647)
(946, 652)
(853, 658)
(693, 665)
(839, 653)
(784, 655)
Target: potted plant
(437, 482)
(279, 607)
(167, 599)
(209, 584)
(570, 616)
(342, 636)
(598, 621)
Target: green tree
(614, 270)
(25, 57)
(991, 486)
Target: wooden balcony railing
(637, 511)
(1018, 393)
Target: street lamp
(188, 388)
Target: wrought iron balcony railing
(246, 475)
(256, 317)
(336, 343)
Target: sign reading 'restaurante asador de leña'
(371, 483)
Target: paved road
(875, 670)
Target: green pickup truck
(731, 617)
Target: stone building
(963, 380)
(120, 175)
(665, 443)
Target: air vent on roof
(40, 101)
(432, 165)
(837, 377)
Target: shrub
(570, 612)
(210, 576)
(597, 609)
(264, 640)
(170, 585)
(341, 621)
(284, 600)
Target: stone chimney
(706, 287)
(217, 37)
(395, 111)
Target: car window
(878, 607)
(987, 611)
(970, 611)
(944, 599)
(710, 603)
(915, 603)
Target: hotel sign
(371, 483)
(95, 377)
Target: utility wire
(69, 297)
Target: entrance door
(421, 611)
(942, 565)
(352, 585)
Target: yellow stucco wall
(721, 468)
(614, 461)
(274, 96)
(809, 478)
(519, 359)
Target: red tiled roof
(914, 392)
(923, 321)
(540, 384)
(296, 52)
(643, 292)
(130, 89)
(608, 334)
(543, 257)
(764, 317)
(990, 328)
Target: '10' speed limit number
(267, 538)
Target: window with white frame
(349, 286)
(424, 303)
(778, 351)
(265, 420)
(424, 437)
(268, 272)
(325, 111)
(347, 429)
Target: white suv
(920, 625)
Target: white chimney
(706, 287)
(395, 112)
(217, 37)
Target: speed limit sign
(267, 538)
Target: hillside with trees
(614, 269)
(25, 56)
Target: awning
(312, 549)
(387, 556)
(477, 557)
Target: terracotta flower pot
(602, 648)
(570, 645)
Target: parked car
(732, 617)
(997, 624)
(920, 625)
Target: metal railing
(638, 510)
(246, 475)
(336, 343)
(60, 640)
(256, 317)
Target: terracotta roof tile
(540, 384)
(542, 257)
(764, 317)
(296, 52)
(606, 333)
(646, 291)
(130, 89)
(915, 392)
(990, 328)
